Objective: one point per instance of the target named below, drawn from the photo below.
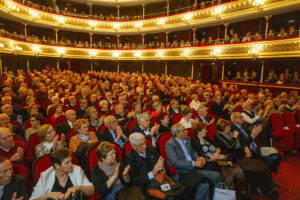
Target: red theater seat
(290, 122)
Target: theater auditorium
(149, 99)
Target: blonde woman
(82, 134)
(49, 140)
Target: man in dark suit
(247, 138)
(202, 115)
(145, 162)
(80, 112)
(73, 102)
(12, 187)
(144, 127)
(122, 116)
(185, 159)
(113, 132)
(65, 128)
(174, 108)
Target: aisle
(289, 178)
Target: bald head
(6, 139)
(71, 115)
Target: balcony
(228, 12)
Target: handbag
(223, 193)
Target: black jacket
(107, 136)
(64, 128)
(140, 167)
(17, 184)
(137, 128)
(172, 111)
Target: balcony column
(91, 39)
(194, 35)
(118, 40)
(118, 66)
(142, 67)
(167, 37)
(223, 70)
(168, 7)
(226, 26)
(192, 70)
(92, 65)
(27, 64)
(262, 72)
(1, 68)
(91, 6)
(56, 35)
(143, 10)
(118, 12)
(143, 39)
(166, 68)
(267, 24)
(57, 64)
(25, 29)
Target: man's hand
(119, 133)
(200, 162)
(126, 171)
(212, 121)
(256, 130)
(158, 166)
(235, 134)
(154, 129)
(14, 197)
(71, 191)
(248, 152)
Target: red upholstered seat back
(277, 122)
(60, 120)
(211, 131)
(127, 146)
(131, 124)
(154, 120)
(22, 169)
(191, 133)
(33, 141)
(298, 116)
(289, 120)
(176, 118)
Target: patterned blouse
(46, 148)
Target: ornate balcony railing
(280, 48)
(228, 12)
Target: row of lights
(216, 11)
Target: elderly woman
(104, 107)
(58, 112)
(164, 123)
(54, 101)
(109, 176)
(195, 103)
(158, 107)
(258, 176)
(93, 117)
(233, 175)
(35, 121)
(186, 119)
(49, 140)
(83, 135)
(62, 179)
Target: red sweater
(27, 157)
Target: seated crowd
(233, 37)
(285, 77)
(71, 113)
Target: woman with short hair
(83, 135)
(109, 176)
(49, 140)
(62, 179)
(93, 117)
(35, 121)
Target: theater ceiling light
(217, 11)
(216, 53)
(137, 54)
(254, 52)
(93, 24)
(117, 25)
(116, 54)
(1, 45)
(17, 48)
(37, 49)
(161, 21)
(93, 53)
(61, 20)
(258, 2)
(159, 54)
(60, 51)
(138, 24)
(187, 16)
(34, 14)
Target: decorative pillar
(166, 68)
(262, 72)
(226, 26)
(167, 37)
(92, 64)
(1, 68)
(143, 10)
(223, 70)
(91, 39)
(142, 67)
(27, 64)
(267, 24)
(168, 7)
(118, 40)
(192, 71)
(194, 35)
(25, 29)
(56, 35)
(118, 65)
(91, 10)
(143, 39)
(118, 12)
(57, 64)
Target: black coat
(18, 185)
(137, 128)
(107, 136)
(217, 109)
(64, 128)
(139, 168)
(172, 111)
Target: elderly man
(146, 128)
(145, 162)
(65, 128)
(185, 159)
(12, 187)
(80, 112)
(5, 122)
(113, 132)
(121, 115)
(174, 108)
(202, 115)
(247, 138)
(13, 150)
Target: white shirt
(248, 119)
(186, 124)
(195, 104)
